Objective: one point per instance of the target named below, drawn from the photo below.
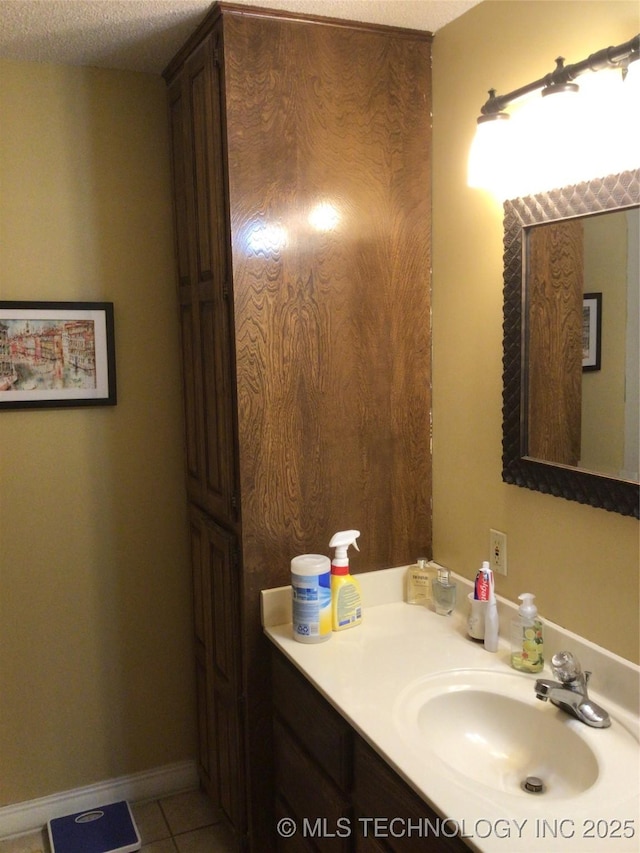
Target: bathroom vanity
(341, 794)
(404, 734)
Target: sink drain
(533, 785)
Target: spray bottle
(346, 597)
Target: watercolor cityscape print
(43, 355)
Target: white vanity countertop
(364, 671)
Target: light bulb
(491, 154)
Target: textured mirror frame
(574, 484)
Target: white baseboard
(150, 784)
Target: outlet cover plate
(498, 551)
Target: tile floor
(182, 823)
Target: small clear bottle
(419, 578)
(527, 642)
(444, 593)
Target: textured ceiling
(143, 35)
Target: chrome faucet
(570, 691)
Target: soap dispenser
(527, 646)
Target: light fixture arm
(619, 56)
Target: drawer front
(326, 736)
(318, 807)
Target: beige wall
(95, 637)
(95, 653)
(582, 563)
(603, 391)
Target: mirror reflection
(582, 346)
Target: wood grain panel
(307, 375)
(199, 88)
(229, 758)
(190, 393)
(332, 325)
(176, 116)
(555, 273)
(212, 447)
(380, 792)
(309, 794)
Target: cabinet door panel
(319, 808)
(189, 391)
(216, 410)
(181, 219)
(380, 792)
(202, 642)
(327, 736)
(230, 756)
(216, 628)
(203, 712)
(188, 329)
(224, 603)
(201, 246)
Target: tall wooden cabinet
(301, 173)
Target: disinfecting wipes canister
(311, 598)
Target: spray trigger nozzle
(342, 540)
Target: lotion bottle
(419, 579)
(346, 597)
(527, 645)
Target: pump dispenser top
(341, 542)
(527, 608)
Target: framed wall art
(591, 331)
(57, 354)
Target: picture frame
(591, 331)
(57, 354)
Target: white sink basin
(489, 729)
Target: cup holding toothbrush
(475, 620)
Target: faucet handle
(566, 667)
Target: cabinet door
(379, 792)
(202, 260)
(216, 627)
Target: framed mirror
(571, 356)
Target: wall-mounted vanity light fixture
(575, 132)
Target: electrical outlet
(498, 551)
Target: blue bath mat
(107, 829)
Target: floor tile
(211, 839)
(34, 842)
(150, 821)
(164, 846)
(188, 811)
(196, 827)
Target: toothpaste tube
(482, 588)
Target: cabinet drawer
(325, 734)
(297, 843)
(315, 803)
(380, 792)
